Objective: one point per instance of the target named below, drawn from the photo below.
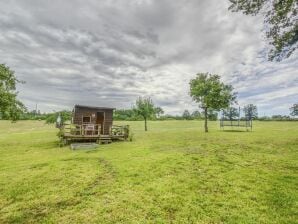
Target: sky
(109, 52)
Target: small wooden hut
(90, 123)
(100, 117)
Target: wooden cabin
(100, 117)
(90, 123)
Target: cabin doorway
(100, 117)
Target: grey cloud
(109, 52)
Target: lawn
(174, 173)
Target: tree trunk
(145, 124)
(206, 119)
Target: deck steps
(74, 146)
(105, 139)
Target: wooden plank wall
(81, 111)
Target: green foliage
(250, 111)
(280, 20)
(131, 115)
(280, 118)
(52, 117)
(196, 115)
(144, 107)
(126, 115)
(230, 113)
(207, 90)
(10, 107)
(158, 111)
(212, 115)
(294, 110)
(186, 115)
(173, 174)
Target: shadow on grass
(244, 131)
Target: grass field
(174, 173)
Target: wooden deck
(76, 133)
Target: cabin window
(86, 119)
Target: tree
(231, 113)
(64, 114)
(145, 108)
(196, 114)
(10, 107)
(250, 111)
(207, 90)
(158, 111)
(280, 22)
(212, 115)
(186, 115)
(294, 110)
(126, 115)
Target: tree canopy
(250, 111)
(207, 90)
(64, 114)
(145, 108)
(231, 113)
(10, 107)
(280, 22)
(158, 111)
(294, 110)
(186, 115)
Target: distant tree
(211, 93)
(294, 110)
(212, 115)
(250, 111)
(280, 21)
(145, 108)
(279, 117)
(64, 114)
(10, 107)
(231, 113)
(196, 115)
(158, 111)
(126, 115)
(186, 115)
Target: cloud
(110, 52)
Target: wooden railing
(84, 129)
(121, 131)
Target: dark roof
(92, 107)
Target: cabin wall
(108, 121)
(80, 112)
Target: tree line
(206, 89)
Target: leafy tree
(294, 110)
(126, 115)
(231, 113)
(280, 21)
(196, 115)
(212, 115)
(10, 107)
(145, 108)
(186, 115)
(279, 117)
(250, 111)
(207, 90)
(64, 114)
(158, 111)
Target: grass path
(174, 173)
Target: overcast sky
(107, 53)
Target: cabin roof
(92, 107)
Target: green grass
(174, 173)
